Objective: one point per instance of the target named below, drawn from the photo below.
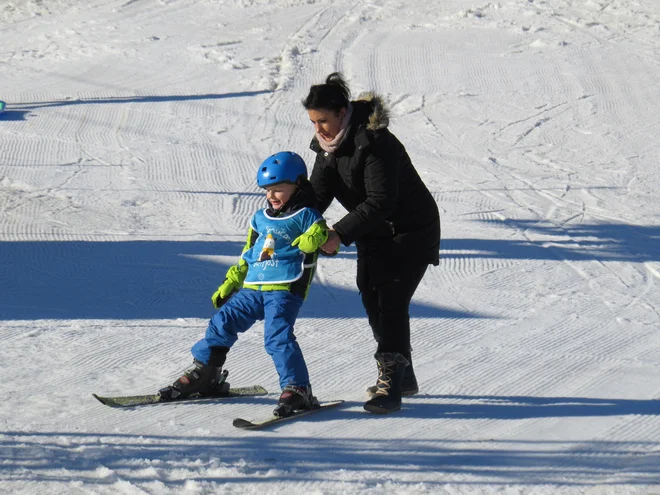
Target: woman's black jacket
(391, 213)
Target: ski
(3, 105)
(144, 400)
(244, 424)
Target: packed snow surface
(128, 154)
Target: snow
(128, 152)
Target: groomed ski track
(128, 152)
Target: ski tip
(102, 400)
(243, 423)
(107, 401)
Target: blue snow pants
(279, 310)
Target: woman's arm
(382, 192)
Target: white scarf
(333, 145)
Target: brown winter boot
(387, 398)
(408, 385)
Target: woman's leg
(386, 296)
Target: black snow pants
(387, 286)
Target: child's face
(279, 194)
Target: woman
(392, 219)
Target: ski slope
(128, 153)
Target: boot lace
(384, 381)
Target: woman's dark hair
(332, 95)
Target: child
(270, 283)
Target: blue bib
(272, 259)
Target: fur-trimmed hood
(379, 118)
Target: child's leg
(280, 313)
(236, 316)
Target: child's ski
(244, 424)
(143, 400)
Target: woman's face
(326, 122)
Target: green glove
(233, 282)
(313, 238)
(222, 295)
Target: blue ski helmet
(285, 166)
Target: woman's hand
(331, 246)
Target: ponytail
(332, 95)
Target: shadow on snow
(523, 407)
(14, 115)
(168, 279)
(142, 280)
(132, 99)
(21, 110)
(67, 457)
(579, 242)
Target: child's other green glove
(311, 240)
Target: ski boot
(387, 398)
(295, 398)
(408, 385)
(205, 380)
